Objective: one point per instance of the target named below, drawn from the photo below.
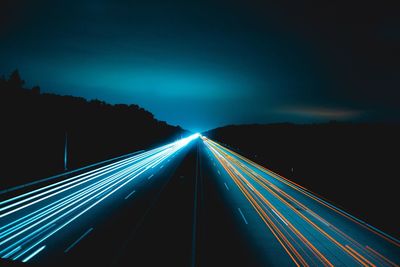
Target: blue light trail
(28, 220)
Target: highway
(189, 203)
(309, 230)
(45, 222)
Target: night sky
(204, 64)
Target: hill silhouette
(34, 127)
(355, 166)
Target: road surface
(189, 203)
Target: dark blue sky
(204, 64)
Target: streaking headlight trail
(310, 230)
(28, 220)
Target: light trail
(315, 197)
(28, 220)
(308, 237)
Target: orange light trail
(282, 232)
(304, 191)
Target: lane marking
(318, 218)
(148, 178)
(33, 254)
(279, 217)
(131, 193)
(162, 166)
(195, 199)
(244, 218)
(219, 173)
(79, 239)
(73, 201)
(227, 188)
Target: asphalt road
(310, 230)
(189, 204)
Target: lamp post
(66, 152)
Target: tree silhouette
(36, 89)
(34, 124)
(15, 80)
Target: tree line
(35, 126)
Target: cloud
(322, 112)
